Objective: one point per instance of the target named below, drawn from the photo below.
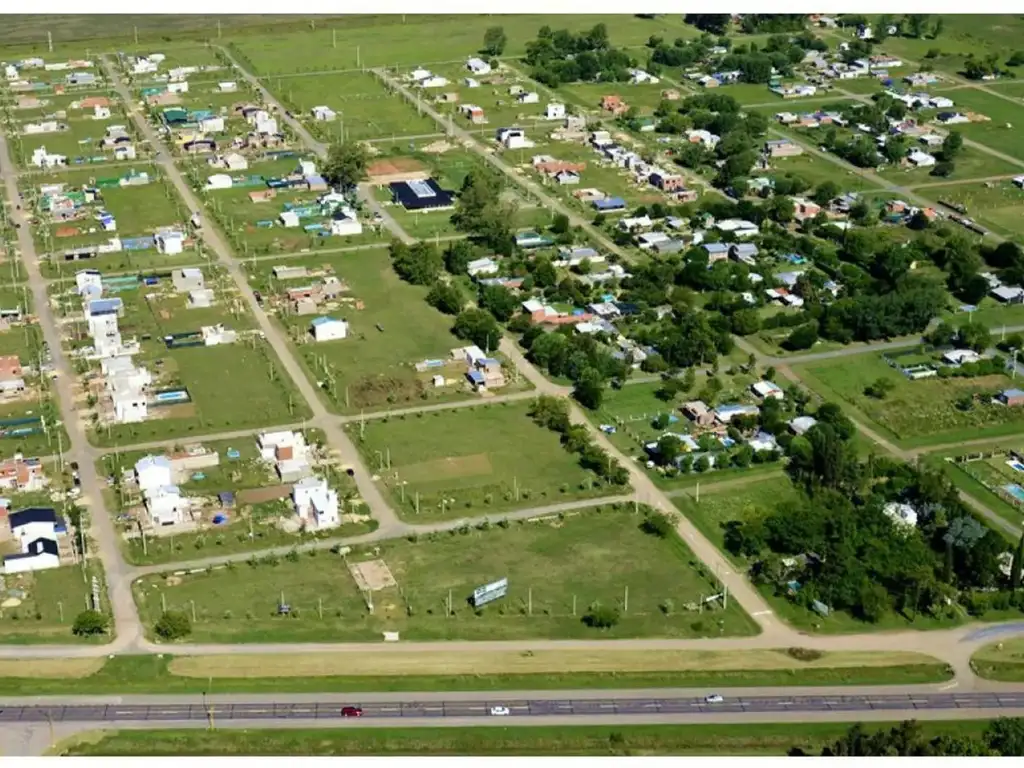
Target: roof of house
(324, 320)
(148, 462)
(1006, 393)
(421, 193)
(33, 515)
(36, 548)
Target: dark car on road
(351, 711)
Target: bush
(804, 654)
(658, 525)
(601, 617)
(173, 625)
(879, 388)
(89, 623)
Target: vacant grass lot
(404, 41)
(998, 206)
(594, 555)
(374, 367)
(52, 600)
(915, 413)
(365, 108)
(1001, 661)
(1001, 132)
(718, 740)
(816, 170)
(970, 163)
(80, 142)
(479, 469)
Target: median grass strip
(1001, 661)
(717, 739)
(371, 671)
(55, 669)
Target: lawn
(998, 205)
(1001, 661)
(80, 142)
(970, 163)
(983, 478)
(406, 41)
(603, 741)
(52, 600)
(366, 110)
(815, 170)
(395, 329)
(599, 555)
(915, 413)
(1001, 132)
(480, 467)
(644, 96)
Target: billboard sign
(490, 592)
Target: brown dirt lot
(450, 466)
(260, 495)
(396, 169)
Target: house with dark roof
(421, 195)
(39, 555)
(33, 523)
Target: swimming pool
(1014, 464)
(1015, 490)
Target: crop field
(394, 330)
(365, 108)
(483, 468)
(595, 556)
(921, 412)
(403, 41)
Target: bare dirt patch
(372, 575)
(260, 495)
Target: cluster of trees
(495, 41)
(1002, 737)
(712, 23)
(553, 413)
(579, 357)
(481, 212)
(914, 25)
(345, 165)
(420, 263)
(856, 558)
(780, 52)
(976, 68)
(682, 53)
(562, 57)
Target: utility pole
(49, 40)
(625, 601)
(136, 31)
(529, 602)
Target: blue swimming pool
(1015, 490)
(1015, 465)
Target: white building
(227, 87)
(166, 505)
(38, 555)
(100, 112)
(152, 472)
(328, 329)
(219, 181)
(766, 389)
(125, 152)
(324, 114)
(478, 66)
(218, 334)
(89, 282)
(289, 219)
(344, 222)
(170, 242)
(920, 159)
(513, 138)
(43, 159)
(178, 87)
(316, 503)
(530, 97)
(555, 111)
(903, 515)
(434, 81)
(212, 124)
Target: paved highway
(905, 705)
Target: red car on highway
(351, 711)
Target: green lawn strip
(594, 555)
(1001, 661)
(711, 739)
(150, 674)
(52, 599)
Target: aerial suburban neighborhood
(663, 367)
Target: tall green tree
(1018, 563)
(345, 165)
(495, 41)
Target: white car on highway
(499, 711)
(713, 698)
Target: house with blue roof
(609, 204)
(328, 329)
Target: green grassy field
(1001, 661)
(998, 205)
(52, 600)
(621, 740)
(1001, 132)
(815, 170)
(970, 163)
(416, 40)
(80, 140)
(915, 413)
(594, 556)
(365, 108)
(478, 468)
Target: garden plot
(557, 569)
(391, 328)
(917, 412)
(364, 108)
(483, 468)
(252, 212)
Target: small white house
(766, 389)
(89, 282)
(32, 524)
(289, 219)
(166, 505)
(478, 66)
(920, 159)
(43, 159)
(212, 124)
(344, 222)
(170, 242)
(227, 87)
(235, 162)
(100, 112)
(903, 515)
(125, 152)
(434, 81)
(328, 329)
(530, 97)
(324, 114)
(219, 181)
(316, 503)
(555, 111)
(178, 87)
(514, 138)
(152, 472)
(39, 555)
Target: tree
(600, 616)
(345, 165)
(1006, 736)
(943, 169)
(879, 388)
(479, 327)
(952, 145)
(419, 264)
(458, 255)
(589, 389)
(173, 625)
(560, 224)
(658, 524)
(480, 211)
(669, 448)
(975, 336)
(446, 297)
(494, 41)
(802, 337)
(919, 221)
(89, 623)
(499, 301)
(1017, 564)
(826, 191)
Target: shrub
(89, 623)
(173, 625)
(804, 654)
(601, 616)
(657, 524)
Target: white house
(903, 515)
(328, 329)
(125, 152)
(316, 503)
(638, 76)
(166, 505)
(555, 111)
(960, 356)
(227, 87)
(478, 66)
(801, 424)
(178, 87)
(324, 114)
(152, 472)
(212, 124)
(100, 112)
(514, 138)
(89, 282)
(170, 242)
(289, 219)
(235, 162)
(766, 389)
(470, 82)
(34, 523)
(434, 81)
(219, 181)
(940, 102)
(43, 159)
(38, 555)
(484, 266)
(530, 97)
(920, 159)
(345, 222)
